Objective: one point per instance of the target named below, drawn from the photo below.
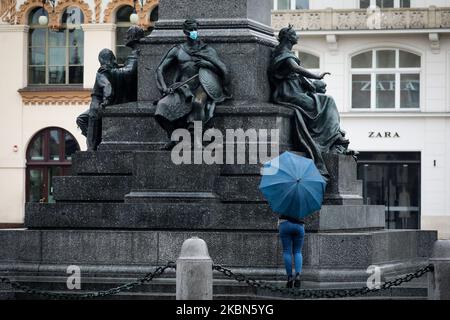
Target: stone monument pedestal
(127, 207)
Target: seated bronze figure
(199, 83)
(317, 117)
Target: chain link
(320, 294)
(91, 295)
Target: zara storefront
(392, 90)
(398, 118)
(390, 76)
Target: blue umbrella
(292, 185)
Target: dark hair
(134, 34)
(105, 56)
(190, 24)
(286, 32)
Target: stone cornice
(361, 19)
(14, 28)
(55, 95)
(99, 27)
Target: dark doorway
(392, 179)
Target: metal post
(439, 280)
(194, 271)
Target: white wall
(19, 123)
(12, 163)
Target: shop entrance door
(393, 180)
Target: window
(309, 61)
(122, 23)
(364, 4)
(290, 4)
(386, 79)
(301, 4)
(55, 57)
(49, 154)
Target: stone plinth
(255, 10)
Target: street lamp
(43, 19)
(134, 18)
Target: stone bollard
(194, 271)
(439, 280)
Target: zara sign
(385, 134)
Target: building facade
(46, 84)
(390, 66)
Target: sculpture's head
(133, 35)
(107, 58)
(190, 29)
(288, 34)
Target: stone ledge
(334, 251)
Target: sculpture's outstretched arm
(169, 58)
(302, 71)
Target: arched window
(386, 79)
(56, 56)
(49, 154)
(122, 24)
(309, 61)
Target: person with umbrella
(294, 189)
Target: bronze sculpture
(113, 85)
(317, 117)
(125, 78)
(102, 95)
(200, 82)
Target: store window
(386, 79)
(290, 4)
(364, 4)
(392, 179)
(49, 154)
(55, 57)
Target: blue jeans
(292, 236)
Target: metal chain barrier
(91, 295)
(321, 293)
(300, 293)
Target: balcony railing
(363, 19)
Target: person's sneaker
(297, 282)
(290, 282)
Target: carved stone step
(102, 163)
(175, 211)
(239, 249)
(91, 188)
